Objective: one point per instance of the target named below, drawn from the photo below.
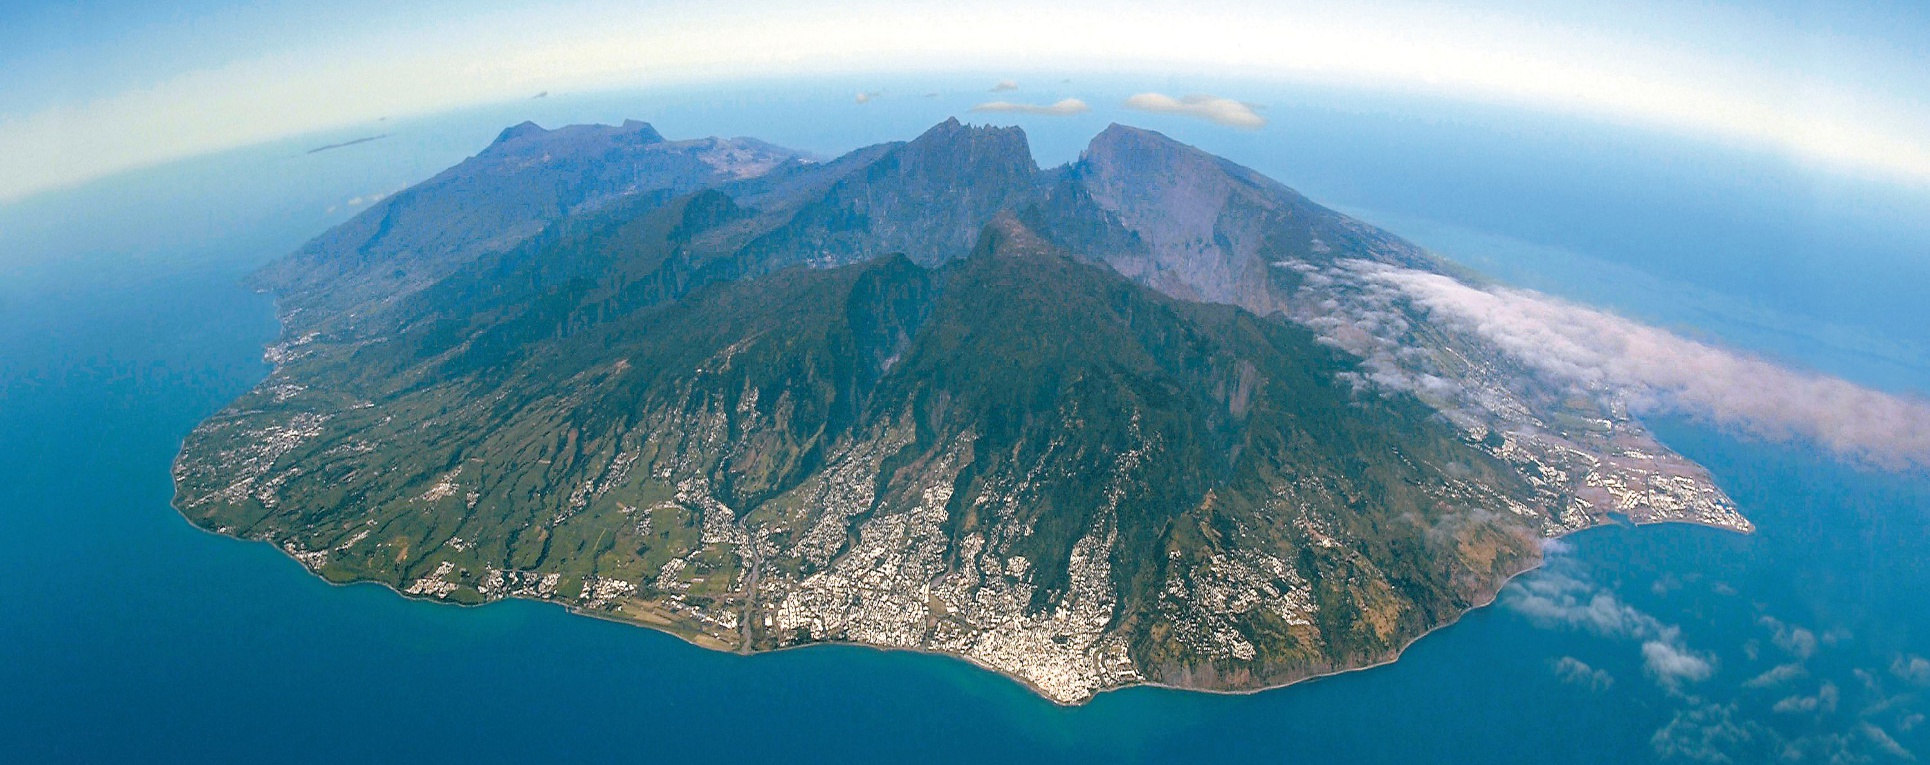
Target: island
(1149, 417)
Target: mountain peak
(1120, 145)
(1118, 132)
(959, 152)
(954, 134)
(642, 132)
(523, 130)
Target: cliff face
(1208, 229)
(1149, 417)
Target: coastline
(722, 647)
(1402, 651)
(705, 641)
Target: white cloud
(1558, 595)
(1577, 672)
(1553, 597)
(1669, 662)
(1224, 111)
(1883, 741)
(1005, 85)
(1062, 108)
(866, 96)
(1653, 370)
(1794, 640)
(1797, 641)
(1824, 702)
(1777, 675)
(1705, 733)
(1912, 668)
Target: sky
(95, 87)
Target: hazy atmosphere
(844, 381)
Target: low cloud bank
(1224, 111)
(1657, 371)
(1063, 108)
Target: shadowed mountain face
(1143, 418)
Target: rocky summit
(1150, 417)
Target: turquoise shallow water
(126, 635)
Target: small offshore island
(1149, 417)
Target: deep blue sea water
(127, 635)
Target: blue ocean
(127, 635)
